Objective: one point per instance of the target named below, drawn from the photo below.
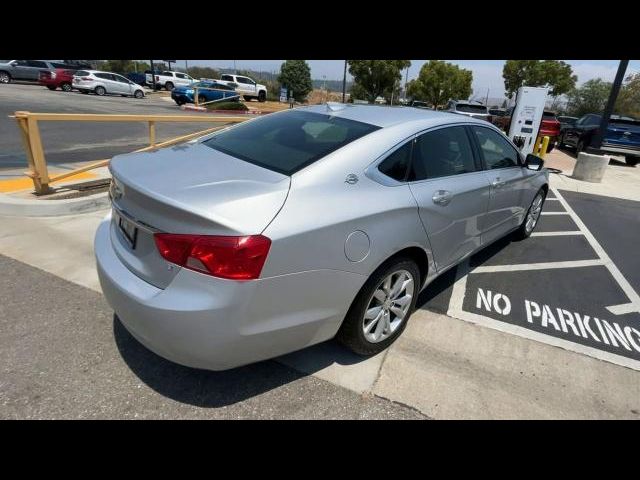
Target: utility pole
(186, 67)
(406, 81)
(153, 76)
(344, 82)
(235, 72)
(596, 140)
(486, 102)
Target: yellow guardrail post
(152, 133)
(543, 147)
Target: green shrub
(227, 106)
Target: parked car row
(29, 70)
(621, 138)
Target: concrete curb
(19, 207)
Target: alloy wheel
(534, 213)
(388, 306)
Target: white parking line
(634, 304)
(537, 266)
(551, 200)
(554, 213)
(555, 234)
(458, 292)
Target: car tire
(201, 99)
(66, 87)
(179, 102)
(550, 147)
(51, 87)
(168, 86)
(533, 215)
(561, 141)
(579, 147)
(100, 91)
(247, 98)
(138, 94)
(5, 77)
(353, 331)
(262, 96)
(631, 161)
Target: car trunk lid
(189, 188)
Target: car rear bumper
(206, 322)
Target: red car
(58, 78)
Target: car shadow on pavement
(209, 389)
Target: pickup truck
(621, 138)
(245, 86)
(169, 79)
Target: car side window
(441, 153)
(496, 150)
(396, 164)
(181, 75)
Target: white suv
(102, 83)
(247, 87)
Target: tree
(295, 75)
(198, 72)
(591, 97)
(628, 102)
(376, 77)
(439, 81)
(555, 74)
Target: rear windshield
(288, 142)
(465, 107)
(548, 116)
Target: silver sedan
(296, 227)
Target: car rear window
(288, 142)
(465, 107)
(548, 116)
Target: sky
(487, 74)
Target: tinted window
(496, 150)
(181, 75)
(441, 153)
(288, 142)
(106, 76)
(121, 79)
(36, 64)
(81, 73)
(548, 116)
(227, 78)
(467, 108)
(396, 164)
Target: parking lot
(574, 285)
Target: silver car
(102, 83)
(289, 229)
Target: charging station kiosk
(527, 116)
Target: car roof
(386, 116)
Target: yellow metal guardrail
(30, 133)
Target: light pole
(596, 140)
(344, 81)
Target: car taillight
(85, 78)
(235, 258)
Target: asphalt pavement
(69, 142)
(63, 355)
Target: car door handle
(442, 197)
(497, 183)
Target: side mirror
(533, 162)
